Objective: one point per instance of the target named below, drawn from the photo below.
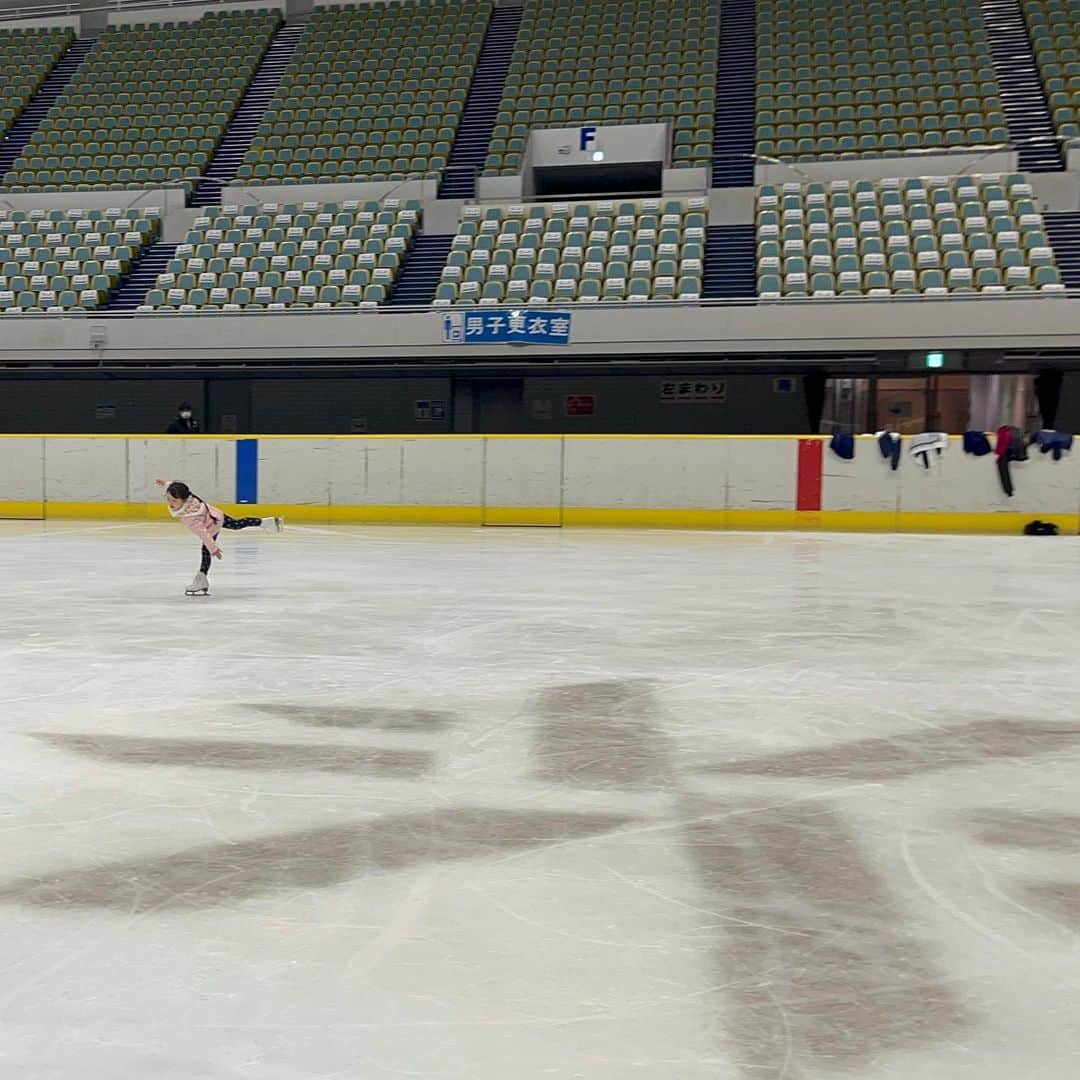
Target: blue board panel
(247, 470)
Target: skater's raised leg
(270, 524)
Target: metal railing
(963, 159)
(382, 310)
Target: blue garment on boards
(889, 445)
(843, 446)
(976, 442)
(1054, 442)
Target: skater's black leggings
(228, 523)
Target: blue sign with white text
(518, 326)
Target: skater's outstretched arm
(207, 537)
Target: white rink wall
(956, 484)
(666, 481)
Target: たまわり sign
(693, 391)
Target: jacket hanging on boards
(889, 443)
(1054, 442)
(929, 443)
(1009, 448)
(843, 446)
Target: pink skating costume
(204, 520)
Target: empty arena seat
(26, 58)
(845, 78)
(566, 253)
(374, 91)
(68, 260)
(1055, 39)
(929, 235)
(276, 257)
(612, 62)
(147, 106)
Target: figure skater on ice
(206, 522)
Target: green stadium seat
(866, 80)
(127, 117)
(575, 64)
(891, 236)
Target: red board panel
(808, 482)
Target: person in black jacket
(184, 423)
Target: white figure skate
(273, 524)
(199, 587)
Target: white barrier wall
(205, 465)
(956, 485)
(22, 477)
(363, 471)
(672, 481)
(682, 472)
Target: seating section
(373, 92)
(1054, 29)
(934, 235)
(611, 62)
(68, 260)
(26, 58)
(844, 78)
(273, 257)
(147, 106)
(558, 253)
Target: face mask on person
(185, 415)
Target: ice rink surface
(525, 804)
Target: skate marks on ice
(371, 717)
(818, 967)
(259, 756)
(923, 751)
(601, 735)
(1041, 833)
(1060, 900)
(1012, 828)
(221, 874)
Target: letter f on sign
(588, 137)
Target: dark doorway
(228, 406)
(585, 181)
(497, 406)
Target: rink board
(681, 482)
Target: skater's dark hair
(177, 490)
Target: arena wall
(716, 482)
(784, 328)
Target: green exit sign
(935, 359)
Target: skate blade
(196, 592)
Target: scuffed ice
(517, 805)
